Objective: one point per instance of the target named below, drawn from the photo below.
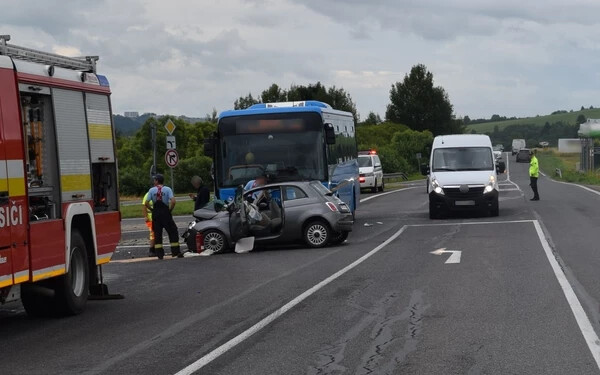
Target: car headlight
(436, 187)
(490, 186)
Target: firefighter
(163, 202)
(148, 217)
(534, 172)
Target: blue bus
(287, 141)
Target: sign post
(171, 156)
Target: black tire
(338, 238)
(374, 188)
(433, 211)
(214, 240)
(382, 187)
(316, 233)
(72, 289)
(37, 300)
(495, 210)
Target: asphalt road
(522, 299)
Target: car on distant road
(278, 213)
(370, 171)
(523, 156)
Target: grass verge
(181, 208)
(550, 160)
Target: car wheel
(316, 233)
(214, 240)
(382, 187)
(339, 238)
(374, 188)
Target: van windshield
(364, 161)
(463, 159)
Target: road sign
(418, 155)
(171, 158)
(171, 142)
(170, 127)
(454, 257)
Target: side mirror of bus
(209, 147)
(329, 134)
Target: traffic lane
(173, 307)
(570, 216)
(500, 310)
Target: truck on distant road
(517, 145)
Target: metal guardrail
(389, 176)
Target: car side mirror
(209, 146)
(329, 134)
(424, 169)
(500, 167)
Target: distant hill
(130, 125)
(568, 118)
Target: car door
(265, 215)
(238, 217)
(295, 204)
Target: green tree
(466, 120)
(580, 119)
(245, 102)
(372, 119)
(274, 94)
(420, 105)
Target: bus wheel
(71, 289)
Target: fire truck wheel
(71, 290)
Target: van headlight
(490, 186)
(436, 187)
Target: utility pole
(153, 169)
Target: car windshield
(463, 159)
(365, 161)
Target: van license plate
(465, 203)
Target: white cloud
(186, 57)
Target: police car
(371, 172)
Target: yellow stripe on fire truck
(5, 280)
(12, 177)
(45, 273)
(75, 180)
(104, 258)
(21, 276)
(100, 131)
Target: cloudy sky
(513, 58)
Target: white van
(370, 170)
(517, 145)
(462, 175)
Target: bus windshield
(463, 159)
(284, 156)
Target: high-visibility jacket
(534, 169)
(149, 212)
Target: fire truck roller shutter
(73, 149)
(99, 128)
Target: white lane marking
(508, 175)
(472, 223)
(572, 184)
(583, 321)
(282, 310)
(454, 255)
(389, 192)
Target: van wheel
(495, 210)
(374, 188)
(382, 185)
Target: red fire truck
(59, 208)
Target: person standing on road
(202, 195)
(163, 202)
(148, 217)
(534, 171)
